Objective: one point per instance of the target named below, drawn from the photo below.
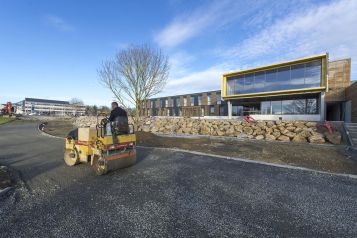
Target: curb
(46, 134)
(5, 190)
(353, 176)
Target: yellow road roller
(107, 147)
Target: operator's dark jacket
(119, 116)
(117, 112)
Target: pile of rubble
(296, 131)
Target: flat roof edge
(282, 63)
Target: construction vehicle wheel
(100, 166)
(71, 157)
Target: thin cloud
(323, 28)
(213, 16)
(314, 29)
(58, 23)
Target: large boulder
(248, 130)
(299, 138)
(311, 124)
(146, 128)
(290, 134)
(316, 139)
(283, 138)
(269, 130)
(259, 137)
(270, 137)
(334, 138)
(270, 123)
(276, 134)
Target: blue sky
(52, 49)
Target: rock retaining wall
(296, 131)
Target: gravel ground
(166, 194)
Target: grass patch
(4, 120)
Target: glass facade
(304, 75)
(199, 100)
(209, 99)
(289, 107)
(178, 102)
(192, 100)
(219, 99)
(265, 107)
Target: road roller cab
(108, 146)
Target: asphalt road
(166, 194)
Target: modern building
(311, 88)
(188, 105)
(49, 107)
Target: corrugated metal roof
(46, 101)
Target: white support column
(229, 109)
(322, 106)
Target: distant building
(48, 107)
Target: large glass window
(313, 74)
(185, 101)
(239, 84)
(178, 102)
(288, 107)
(230, 86)
(283, 79)
(218, 95)
(297, 76)
(248, 83)
(265, 107)
(166, 103)
(311, 106)
(212, 109)
(276, 107)
(299, 106)
(199, 100)
(208, 99)
(270, 79)
(192, 100)
(259, 81)
(237, 110)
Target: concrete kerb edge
(5, 190)
(229, 158)
(353, 176)
(46, 134)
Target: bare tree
(76, 104)
(134, 75)
(76, 101)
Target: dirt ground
(328, 158)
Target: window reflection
(311, 106)
(297, 76)
(265, 107)
(249, 83)
(276, 107)
(192, 100)
(312, 74)
(259, 81)
(199, 100)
